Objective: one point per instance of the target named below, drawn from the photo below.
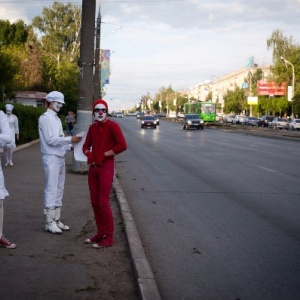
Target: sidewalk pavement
(49, 266)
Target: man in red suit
(103, 141)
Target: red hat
(100, 101)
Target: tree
(235, 101)
(13, 34)
(60, 27)
(286, 47)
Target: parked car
(148, 122)
(228, 119)
(239, 119)
(294, 124)
(280, 123)
(119, 115)
(161, 114)
(264, 121)
(251, 121)
(193, 121)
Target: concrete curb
(21, 147)
(145, 279)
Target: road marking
(267, 169)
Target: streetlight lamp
(293, 81)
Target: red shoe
(6, 243)
(105, 242)
(95, 239)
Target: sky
(177, 43)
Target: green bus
(206, 110)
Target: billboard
(250, 62)
(270, 88)
(105, 66)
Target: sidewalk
(47, 266)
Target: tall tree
(60, 28)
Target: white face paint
(100, 112)
(8, 112)
(57, 106)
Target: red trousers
(100, 181)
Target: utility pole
(97, 75)
(85, 84)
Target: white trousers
(55, 171)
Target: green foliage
(13, 34)
(235, 101)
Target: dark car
(264, 121)
(193, 121)
(139, 115)
(148, 122)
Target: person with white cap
(5, 138)
(54, 146)
(14, 129)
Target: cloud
(179, 42)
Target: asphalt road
(217, 212)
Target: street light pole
(293, 82)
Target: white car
(119, 115)
(294, 124)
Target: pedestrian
(14, 131)
(54, 146)
(70, 120)
(103, 141)
(5, 138)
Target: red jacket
(102, 137)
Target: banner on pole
(105, 66)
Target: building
(31, 98)
(228, 82)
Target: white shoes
(10, 163)
(52, 227)
(62, 226)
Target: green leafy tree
(13, 34)
(283, 46)
(235, 101)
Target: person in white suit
(54, 146)
(5, 138)
(14, 131)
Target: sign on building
(270, 88)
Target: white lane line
(267, 169)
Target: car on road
(228, 119)
(148, 122)
(264, 121)
(193, 121)
(251, 121)
(294, 124)
(281, 123)
(119, 115)
(157, 119)
(238, 119)
(139, 115)
(161, 114)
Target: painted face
(8, 112)
(100, 112)
(57, 106)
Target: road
(217, 211)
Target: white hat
(9, 107)
(55, 96)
